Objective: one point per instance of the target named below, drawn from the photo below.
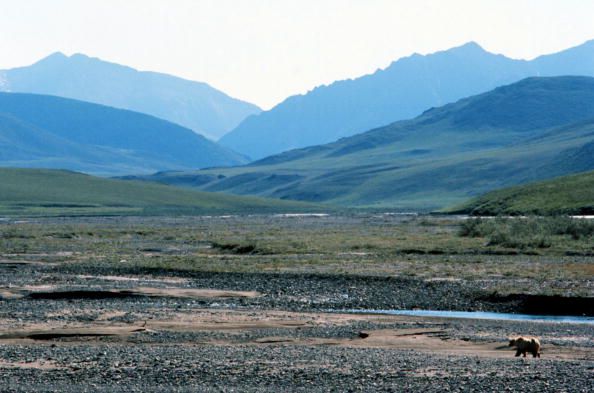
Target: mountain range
(53, 132)
(403, 90)
(533, 129)
(194, 105)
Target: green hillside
(573, 194)
(53, 192)
(532, 130)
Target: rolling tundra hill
(56, 192)
(194, 105)
(533, 129)
(571, 194)
(403, 90)
(53, 132)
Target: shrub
(522, 232)
(476, 227)
(576, 228)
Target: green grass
(33, 192)
(572, 194)
(425, 248)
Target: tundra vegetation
(549, 252)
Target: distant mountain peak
(52, 58)
(78, 60)
(470, 47)
(83, 56)
(82, 60)
(56, 55)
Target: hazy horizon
(263, 51)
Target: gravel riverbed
(281, 340)
(274, 368)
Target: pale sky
(263, 51)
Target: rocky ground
(62, 330)
(274, 368)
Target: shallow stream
(482, 315)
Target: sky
(263, 51)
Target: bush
(237, 248)
(576, 228)
(521, 232)
(476, 227)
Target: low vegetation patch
(237, 248)
(428, 248)
(527, 232)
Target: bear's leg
(524, 353)
(518, 352)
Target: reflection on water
(482, 315)
(299, 215)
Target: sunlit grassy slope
(572, 194)
(54, 192)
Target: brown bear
(526, 344)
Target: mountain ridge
(406, 88)
(195, 105)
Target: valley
(404, 210)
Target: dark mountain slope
(56, 132)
